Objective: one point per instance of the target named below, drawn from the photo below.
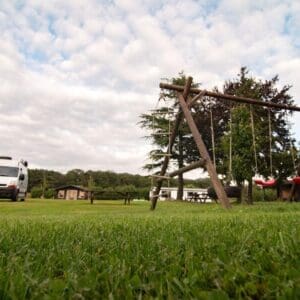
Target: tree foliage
(105, 184)
(265, 146)
(276, 160)
(159, 123)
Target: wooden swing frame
(184, 94)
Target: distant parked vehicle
(13, 178)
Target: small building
(73, 192)
(189, 194)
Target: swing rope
(169, 144)
(161, 96)
(290, 142)
(293, 156)
(168, 113)
(253, 138)
(212, 137)
(271, 182)
(270, 141)
(152, 162)
(230, 143)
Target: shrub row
(100, 193)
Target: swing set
(188, 98)
(271, 182)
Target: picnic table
(198, 197)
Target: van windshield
(9, 171)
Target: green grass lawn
(51, 249)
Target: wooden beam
(160, 177)
(192, 166)
(197, 97)
(178, 119)
(162, 154)
(221, 96)
(204, 153)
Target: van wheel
(22, 199)
(14, 196)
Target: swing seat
(296, 180)
(258, 181)
(266, 183)
(270, 183)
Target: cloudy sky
(75, 75)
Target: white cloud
(75, 75)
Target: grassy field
(52, 249)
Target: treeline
(105, 184)
(104, 179)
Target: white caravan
(13, 178)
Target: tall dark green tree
(273, 152)
(159, 122)
(272, 145)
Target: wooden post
(171, 143)
(292, 192)
(204, 153)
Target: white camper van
(13, 178)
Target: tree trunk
(250, 192)
(180, 165)
(278, 191)
(180, 187)
(240, 185)
(279, 182)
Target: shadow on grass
(109, 203)
(8, 200)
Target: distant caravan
(13, 178)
